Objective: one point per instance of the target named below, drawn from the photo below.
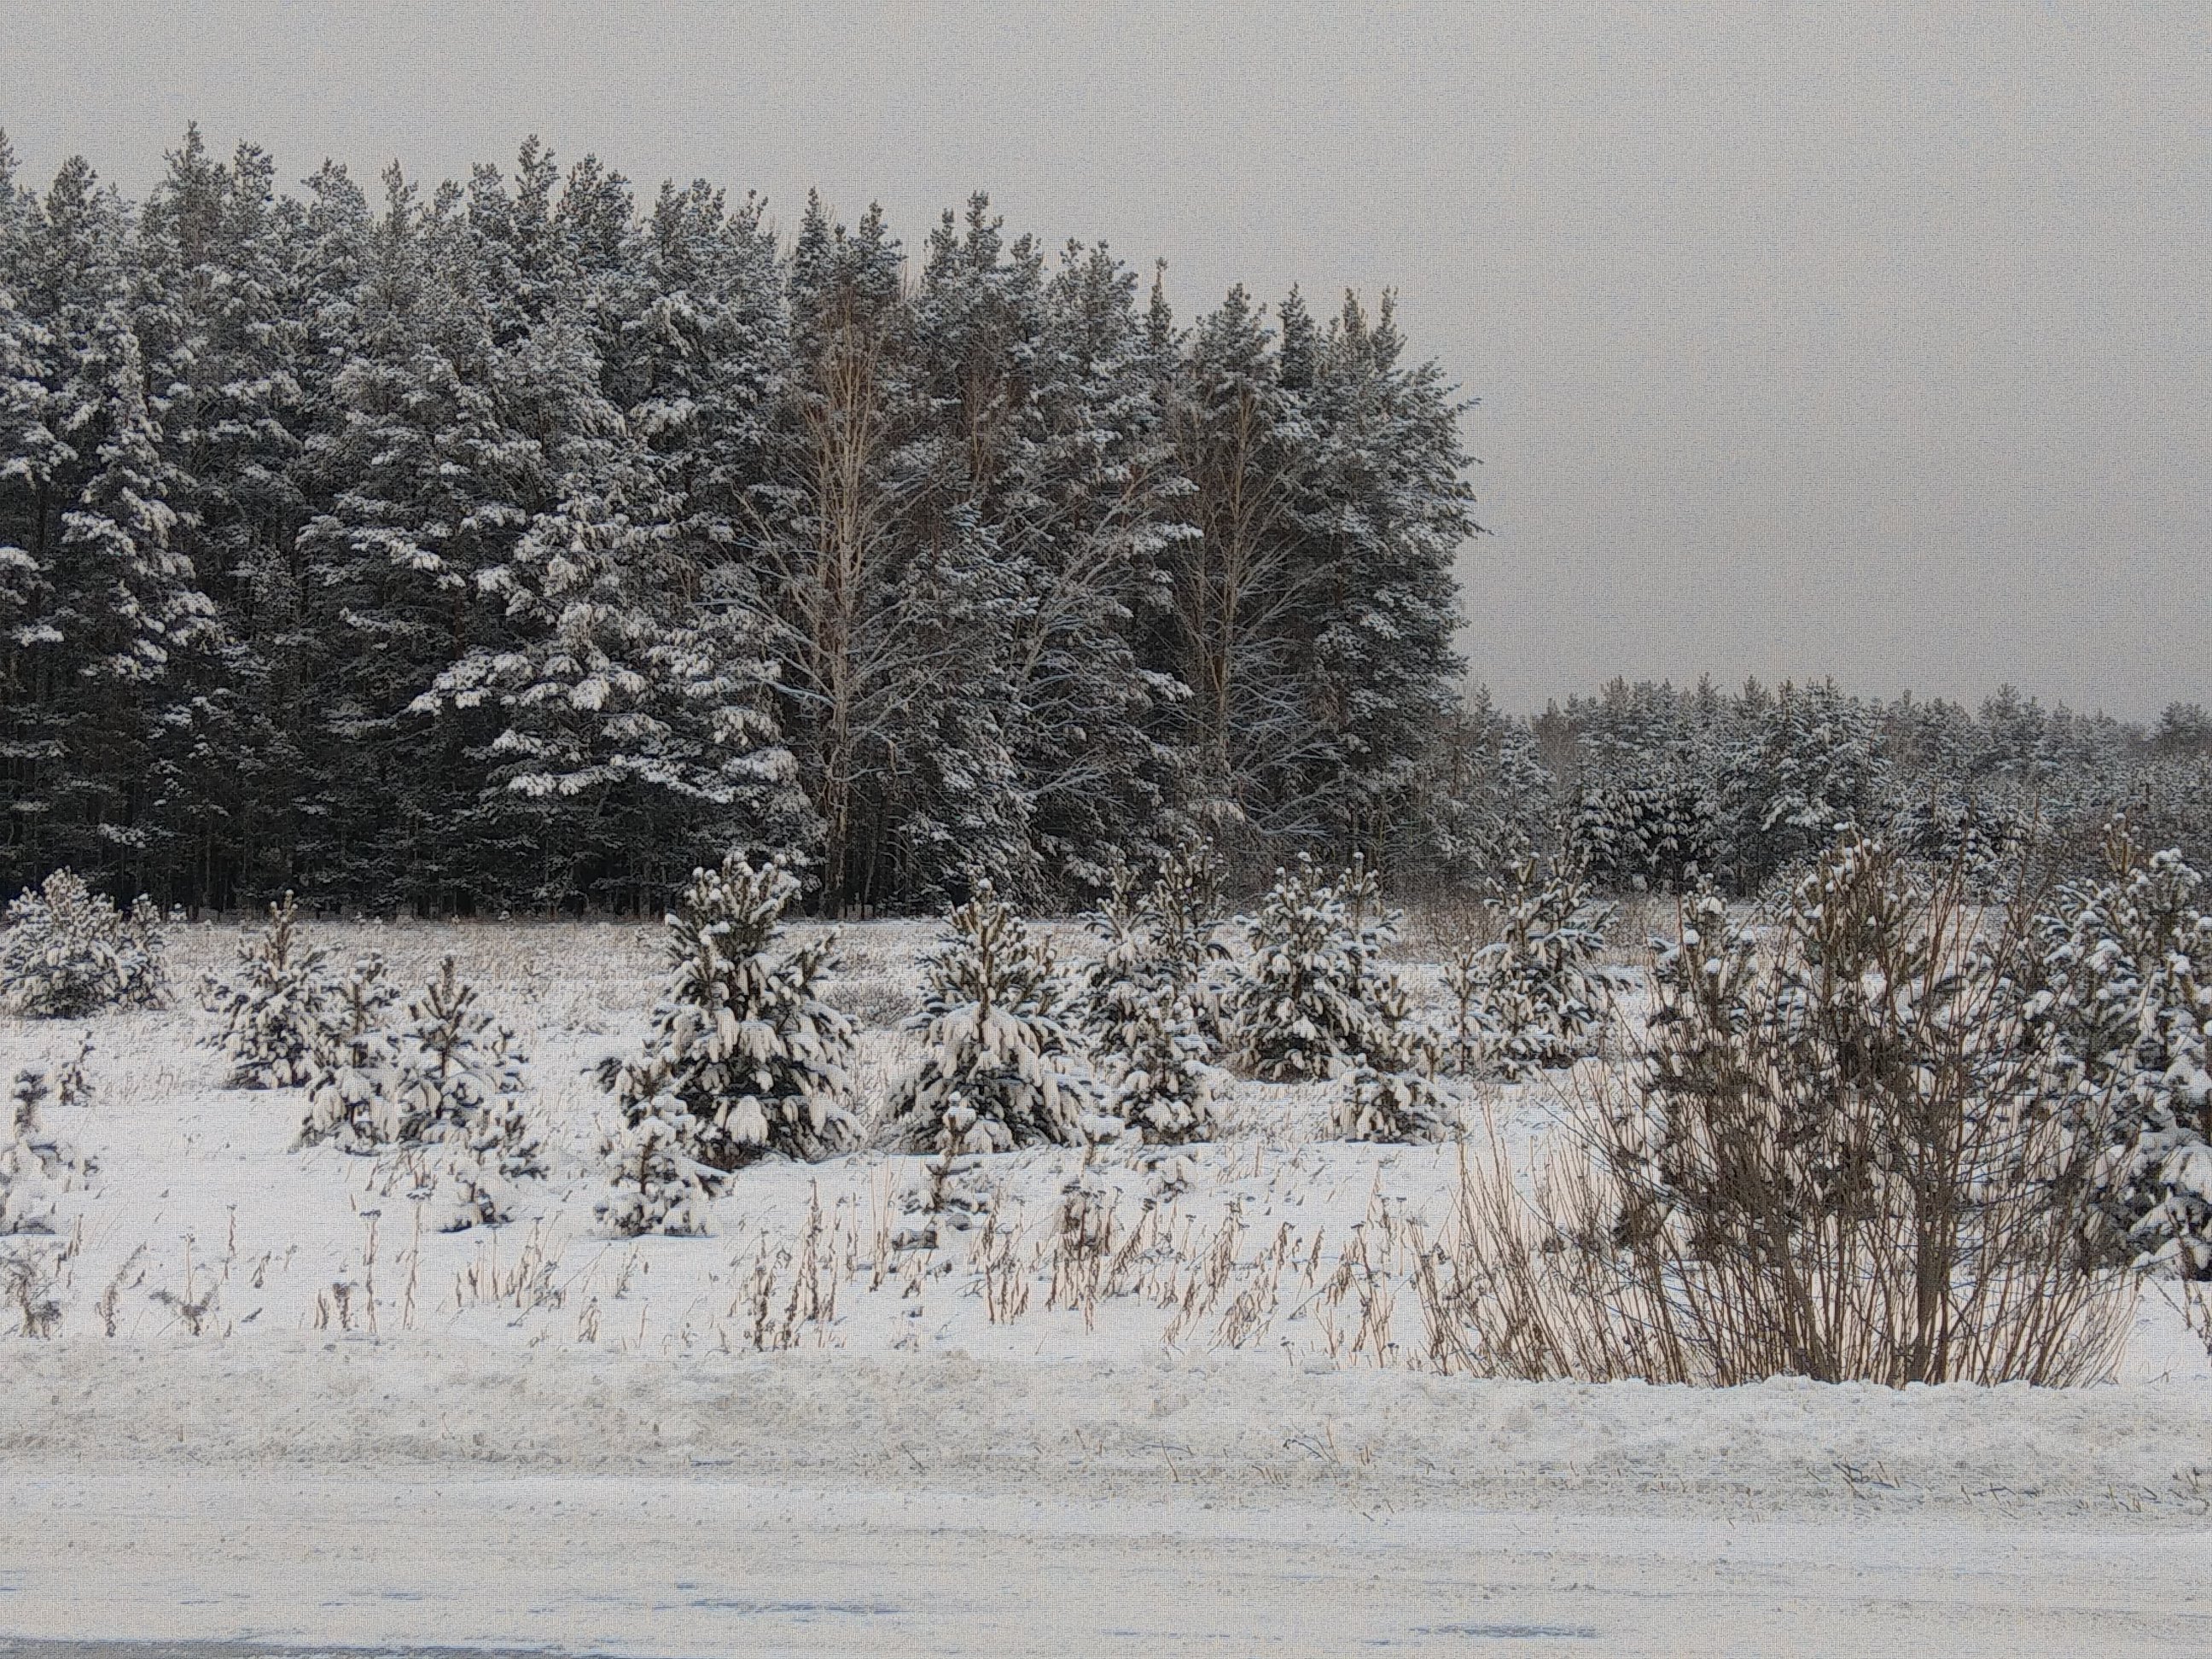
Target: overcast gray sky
(1858, 339)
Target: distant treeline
(1650, 787)
(512, 546)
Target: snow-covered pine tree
(271, 1008)
(36, 1165)
(218, 308)
(657, 1181)
(1141, 1011)
(633, 693)
(1383, 508)
(1804, 760)
(2127, 995)
(110, 605)
(1240, 633)
(1392, 1093)
(353, 1062)
(1301, 1005)
(458, 1091)
(742, 1037)
(1001, 1067)
(67, 951)
(443, 444)
(1541, 992)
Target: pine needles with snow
(1001, 1066)
(37, 1166)
(1151, 1008)
(67, 951)
(2129, 998)
(742, 1038)
(272, 1007)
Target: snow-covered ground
(275, 1406)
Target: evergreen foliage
(441, 1090)
(353, 1063)
(1150, 1011)
(1536, 996)
(1303, 1005)
(2127, 994)
(459, 1091)
(1001, 1066)
(36, 1166)
(67, 951)
(271, 1010)
(1392, 1093)
(656, 1182)
(742, 1040)
(510, 541)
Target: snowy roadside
(313, 1493)
(1233, 1429)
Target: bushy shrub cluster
(2125, 991)
(442, 1092)
(68, 952)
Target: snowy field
(275, 1406)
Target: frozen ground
(274, 1409)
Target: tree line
(518, 543)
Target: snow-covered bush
(459, 1093)
(36, 1166)
(657, 1182)
(353, 1062)
(442, 1089)
(67, 951)
(1148, 1004)
(1843, 1154)
(1536, 996)
(2127, 994)
(1000, 1068)
(1302, 1004)
(72, 1086)
(1392, 1093)
(272, 1007)
(742, 1038)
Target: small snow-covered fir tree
(1182, 912)
(72, 1086)
(1392, 1093)
(1150, 1005)
(2127, 996)
(459, 1091)
(1001, 1067)
(353, 1063)
(1539, 994)
(36, 1165)
(273, 1006)
(442, 1089)
(1151, 1054)
(657, 1181)
(67, 951)
(742, 1037)
(1302, 1006)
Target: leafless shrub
(1844, 1158)
(30, 1276)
